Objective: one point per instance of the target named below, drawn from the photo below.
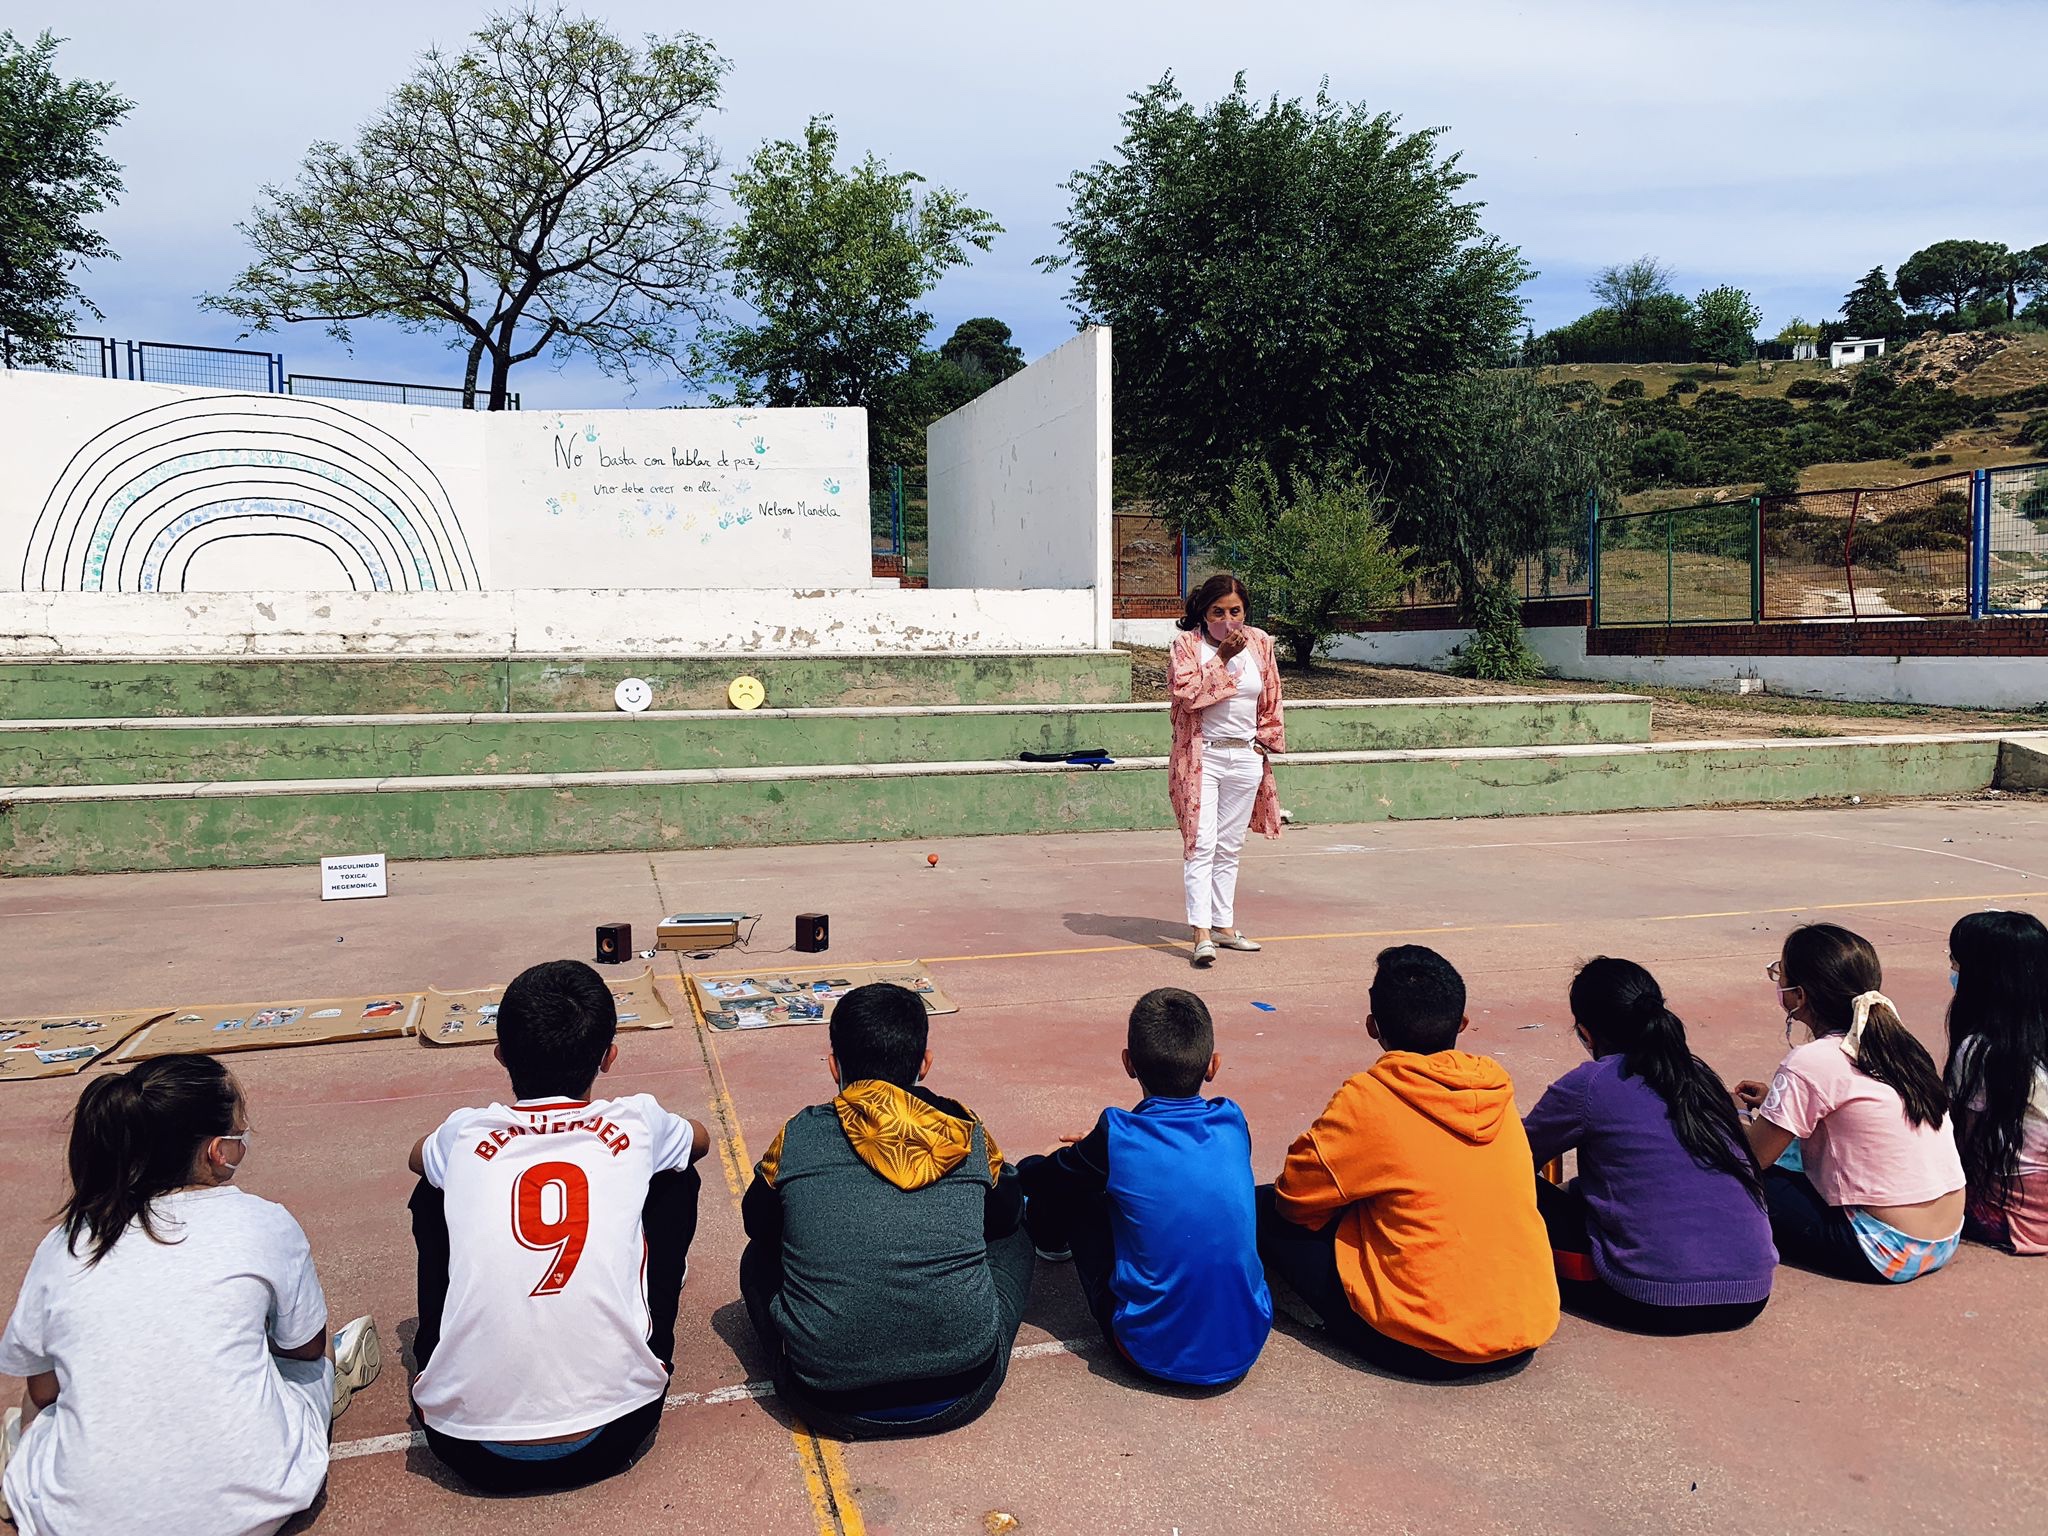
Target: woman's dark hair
(1621, 1007)
(135, 1137)
(1997, 1039)
(1210, 592)
(1834, 967)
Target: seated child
(1998, 1075)
(1877, 1193)
(1405, 1217)
(171, 1328)
(1155, 1208)
(553, 1236)
(886, 1269)
(1664, 1229)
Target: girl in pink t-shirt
(1877, 1193)
(1998, 1074)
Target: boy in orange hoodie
(1406, 1215)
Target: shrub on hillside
(1625, 389)
(1498, 650)
(1683, 387)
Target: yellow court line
(825, 1480)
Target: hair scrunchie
(1859, 1015)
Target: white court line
(1942, 853)
(717, 1397)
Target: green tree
(983, 346)
(1498, 650)
(1872, 309)
(1953, 272)
(1628, 287)
(1724, 325)
(53, 178)
(1316, 557)
(543, 190)
(1795, 331)
(1291, 282)
(834, 263)
(1516, 486)
(2026, 272)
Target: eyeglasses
(1775, 971)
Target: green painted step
(186, 826)
(390, 685)
(377, 746)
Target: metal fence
(2012, 534)
(92, 356)
(238, 368)
(897, 503)
(1952, 546)
(1680, 565)
(388, 391)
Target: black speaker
(614, 942)
(813, 932)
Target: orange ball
(931, 858)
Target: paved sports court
(1843, 1409)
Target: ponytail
(1839, 973)
(1620, 1005)
(136, 1136)
(1997, 1041)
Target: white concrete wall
(1019, 480)
(1988, 682)
(534, 621)
(114, 486)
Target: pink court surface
(1843, 1409)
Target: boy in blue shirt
(1155, 1208)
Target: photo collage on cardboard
(770, 999)
(471, 1018)
(61, 1046)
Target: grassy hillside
(1965, 368)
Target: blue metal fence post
(1980, 542)
(1183, 563)
(1593, 554)
(1756, 560)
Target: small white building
(1855, 349)
(1804, 351)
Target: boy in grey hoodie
(886, 1268)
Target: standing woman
(1226, 722)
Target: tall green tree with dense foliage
(1871, 308)
(1527, 460)
(1953, 272)
(543, 190)
(1724, 322)
(835, 264)
(2030, 276)
(54, 177)
(1316, 555)
(969, 363)
(1293, 283)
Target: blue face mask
(1954, 980)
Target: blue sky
(1783, 148)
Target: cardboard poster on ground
(58, 1047)
(471, 1018)
(765, 999)
(214, 1029)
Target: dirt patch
(1676, 714)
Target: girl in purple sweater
(1664, 1229)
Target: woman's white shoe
(1205, 954)
(1239, 942)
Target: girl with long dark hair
(1997, 1075)
(1876, 1192)
(1225, 689)
(1664, 1229)
(171, 1329)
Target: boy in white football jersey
(553, 1236)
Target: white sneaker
(10, 1441)
(358, 1357)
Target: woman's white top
(172, 1418)
(1237, 717)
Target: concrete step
(148, 750)
(394, 685)
(213, 825)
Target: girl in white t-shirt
(1998, 1074)
(172, 1331)
(1877, 1191)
